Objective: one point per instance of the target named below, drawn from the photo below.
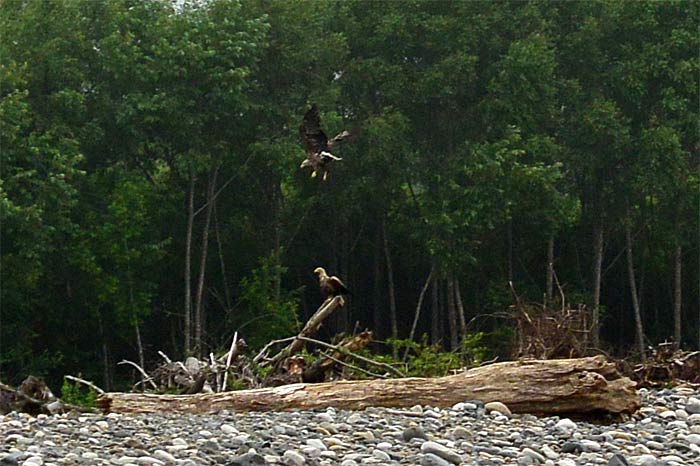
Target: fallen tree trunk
(581, 386)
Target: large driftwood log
(579, 386)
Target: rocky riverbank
(664, 432)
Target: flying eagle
(330, 286)
(318, 147)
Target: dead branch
(311, 327)
(371, 362)
(85, 382)
(146, 377)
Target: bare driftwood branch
(385, 366)
(565, 386)
(317, 371)
(228, 361)
(311, 327)
(262, 355)
(146, 377)
(85, 382)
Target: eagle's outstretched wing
(315, 140)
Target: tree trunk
(550, 269)
(277, 203)
(633, 289)
(107, 379)
(390, 283)
(597, 282)
(378, 297)
(554, 387)
(219, 246)
(460, 309)
(421, 296)
(435, 321)
(677, 296)
(509, 227)
(198, 310)
(452, 313)
(188, 267)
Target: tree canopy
(151, 197)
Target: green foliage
(266, 311)
(76, 394)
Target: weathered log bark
(578, 386)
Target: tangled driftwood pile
(667, 365)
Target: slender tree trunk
(460, 309)
(188, 267)
(227, 294)
(436, 320)
(550, 269)
(378, 314)
(633, 290)
(421, 296)
(107, 379)
(343, 313)
(509, 227)
(277, 203)
(139, 342)
(198, 310)
(677, 289)
(597, 282)
(452, 313)
(390, 283)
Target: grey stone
(414, 432)
(617, 460)
(430, 459)
(249, 459)
(441, 451)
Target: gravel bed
(664, 432)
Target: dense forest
(151, 196)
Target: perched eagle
(330, 286)
(318, 147)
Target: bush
(75, 394)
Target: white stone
(692, 406)
(549, 453)
(382, 455)
(565, 425)
(164, 456)
(149, 460)
(324, 417)
(384, 446)
(228, 429)
(590, 445)
(498, 407)
(641, 460)
(316, 443)
(294, 457)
